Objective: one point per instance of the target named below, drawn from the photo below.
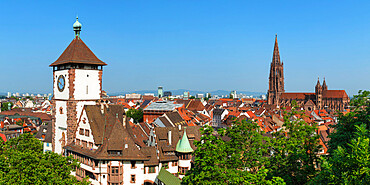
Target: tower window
(133, 178)
(87, 89)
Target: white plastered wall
(87, 84)
(65, 93)
(60, 124)
(86, 126)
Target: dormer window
(115, 152)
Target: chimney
(169, 137)
(124, 121)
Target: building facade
(322, 98)
(77, 81)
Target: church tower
(276, 79)
(77, 81)
(318, 92)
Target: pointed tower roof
(183, 145)
(77, 52)
(318, 82)
(276, 55)
(324, 86)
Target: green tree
(5, 106)
(350, 164)
(136, 114)
(22, 161)
(294, 150)
(346, 127)
(236, 160)
(209, 162)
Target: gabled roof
(195, 105)
(112, 131)
(78, 53)
(334, 94)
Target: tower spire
(276, 55)
(276, 79)
(318, 82)
(77, 27)
(324, 86)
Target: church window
(87, 133)
(61, 110)
(87, 89)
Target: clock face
(61, 83)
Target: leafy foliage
(22, 161)
(136, 114)
(5, 106)
(294, 150)
(346, 127)
(348, 165)
(235, 155)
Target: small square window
(151, 169)
(133, 164)
(82, 131)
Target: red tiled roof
(78, 53)
(3, 136)
(335, 94)
(195, 105)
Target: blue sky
(198, 45)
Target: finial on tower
(77, 27)
(318, 81)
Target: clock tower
(77, 81)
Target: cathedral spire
(276, 56)
(324, 86)
(318, 82)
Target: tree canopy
(235, 155)
(136, 114)
(22, 161)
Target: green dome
(77, 24)
(183, 146)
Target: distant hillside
(192, 92)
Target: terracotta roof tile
(78, 53)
